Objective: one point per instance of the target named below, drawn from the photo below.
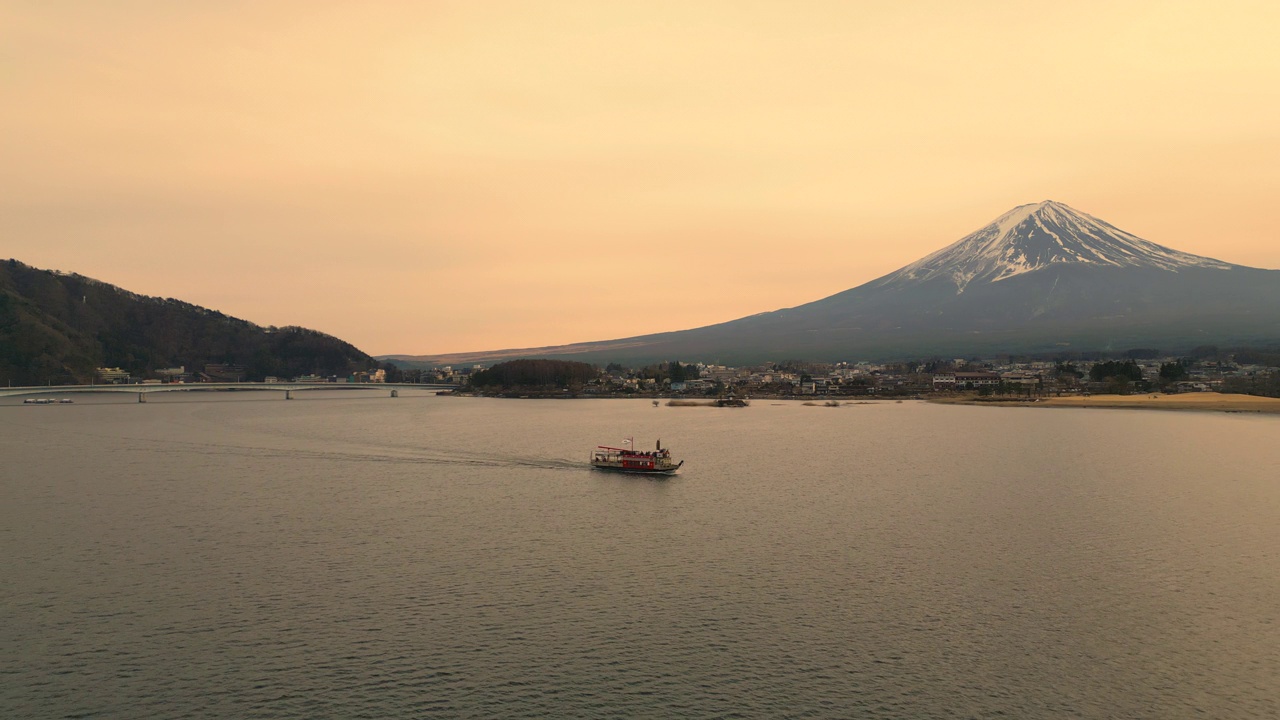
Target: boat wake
(283, 446)
(384, 455)
(387, 455)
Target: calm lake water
(349, 555)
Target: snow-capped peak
(1035, 236)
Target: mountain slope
(1039, 278)
(58, 328)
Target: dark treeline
(674, 371)
(1256, 356)
(1127, 370)
(59, 328)
(1268, 386)
(1172, 372)
(536, 374)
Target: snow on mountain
(1035, 236)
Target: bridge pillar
(288, 394)
(142, 397)
(395, 393)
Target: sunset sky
(426, 177)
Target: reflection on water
(344, 556)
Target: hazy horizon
(449, 177)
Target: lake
(349, 555)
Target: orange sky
(432, 177)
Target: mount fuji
(1040, 278)
(1036, 237)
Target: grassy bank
(1206, 401)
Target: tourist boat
(654, 462)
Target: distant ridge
(59, 328)
(1042, 277)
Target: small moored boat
(654, 462)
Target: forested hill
(59, 328)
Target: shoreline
(1203, 402)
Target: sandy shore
(1207, 401)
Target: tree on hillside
(1119, 376)
(1065, 369)
(681, 373)
(58, 327)
(1172, 372)
(1127, 370)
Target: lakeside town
(1245, 373)
(1223, 374)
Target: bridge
(142, 390)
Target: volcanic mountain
(1040, 278)
(1030, 238)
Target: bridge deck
(203, 387)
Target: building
(719, 373)
(224, 372)
(1021, 379)
(975, 380)
(113, 375)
